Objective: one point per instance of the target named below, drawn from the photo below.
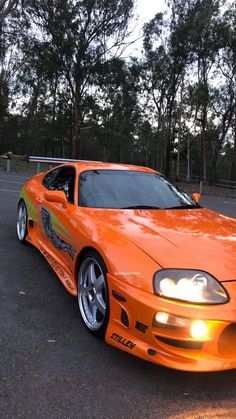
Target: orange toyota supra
(153, 271)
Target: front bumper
(133, 329)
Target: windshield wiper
(184, 207)
(142, 207)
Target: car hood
(194, 238)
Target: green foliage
(67, 90)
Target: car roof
(87, 165)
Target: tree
(6, 7)
(66, 89)
(8, 40)
(78, 36)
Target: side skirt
(62, 273)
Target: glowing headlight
(189, 285)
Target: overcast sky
(145, 10)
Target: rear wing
(52, 160)
(55, 160)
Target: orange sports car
(153, 271)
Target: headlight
(189, 285)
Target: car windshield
(130, 190)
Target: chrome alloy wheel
(22, 222)
(92, 295)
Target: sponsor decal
(122, 341)
(56, 267)
(53, 236)
(141, 327)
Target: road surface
(51, 367)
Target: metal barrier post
(201, 187)
(8, 165)
(38, 167)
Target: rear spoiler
(55, 160)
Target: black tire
(22, 222)
(93, 294)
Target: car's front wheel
(22, 220)
(93, 296)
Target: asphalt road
(51, 367)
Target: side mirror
(56, 196)
(196, 197)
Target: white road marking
(11, 181)
(6, 176)
(229, 202)
(9, 190)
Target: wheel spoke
(94, 312)
(91, 274)
(83, 289)
(99, 302)
(86, 283)
(99, 284)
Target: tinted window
(127, 189)
(49, 178)
(61, 180)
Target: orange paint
(134, 245)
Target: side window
(49, 178)
(64, 180)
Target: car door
(57, 222)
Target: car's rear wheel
(93, 296)
(22, 220)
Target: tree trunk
(54, 88)
(169, 139)
(76, 133)
(226, 121)
(180, 128)
(233, 165)
(156, 162)
(147, 151)
(188, 160)
(203, 144)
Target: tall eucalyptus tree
(77, 36)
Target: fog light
(198, 329)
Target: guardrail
(38, 160)
(10, 157)
(222, 183)
(50, 161)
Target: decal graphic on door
(31, 209)
(53, 236)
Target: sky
(145, 10)
(148, 8)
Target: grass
(207, 190)
(23, 166)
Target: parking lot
(51, 367)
